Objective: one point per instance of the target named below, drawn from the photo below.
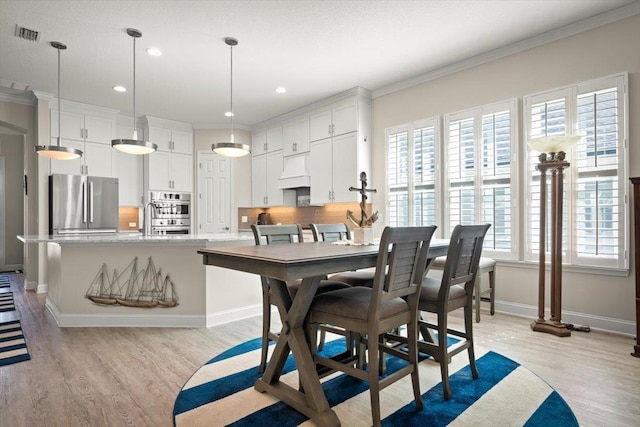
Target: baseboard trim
(120, 320)
(223, 317)
(608, 324)
(30, 285)
(42, 288)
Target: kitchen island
(90, 263)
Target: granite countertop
(138, 238)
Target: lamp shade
(553, 143)
(230, 149)
(133, 146)
(57, 152)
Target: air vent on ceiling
(27, 34)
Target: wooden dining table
(311, 262)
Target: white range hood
(295, 173)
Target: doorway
(214, 193)
(12, 199)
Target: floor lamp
(552, 151)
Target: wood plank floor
(131, 376)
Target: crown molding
(17, 99)
(221, 126)
(600, 20)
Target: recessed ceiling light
(281, 89)
(120, 88)
(228, 114)
(154, 51)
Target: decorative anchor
(365, 220)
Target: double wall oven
(171, 212)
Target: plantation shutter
(398, 179)
(424, 177)
(461, 172)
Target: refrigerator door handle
(84, 203)
(91, 201)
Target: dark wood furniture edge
(636, 209)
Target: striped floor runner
(4, 281)
(506, 394)
(13, 347)
(6, 302)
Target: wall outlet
(244, 218)
(132, 224)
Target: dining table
(311, 262)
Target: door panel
(214, 198)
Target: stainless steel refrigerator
(82, 204)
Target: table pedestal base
(636, 350)
(554, 328)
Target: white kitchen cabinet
(266, 141)
(83, 127)
(339, 119)
(170, 140)
(169, 172)
(96, 159)
(296, 136)
(128, 169)
(265, 171)
(335, 165)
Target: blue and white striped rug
(221, 393)
(13, 347)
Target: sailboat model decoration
(142, 288)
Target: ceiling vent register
(28, 34)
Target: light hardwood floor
(131, 376)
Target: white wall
(598, 300)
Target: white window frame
(410, 128)
(571, 93)
(477, 113)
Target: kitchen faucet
(146, 227)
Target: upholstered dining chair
(335, 232)
(281, 234)
(453, 291)
(370, 312)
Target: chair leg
(374, 381)
(444, 356)
(478, 298)
(323, 336)
(266, 325)
(492, 286)
(468, 325)
(412, 348)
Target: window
(595, 223)
(411, 173)
(480, 174)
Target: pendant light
(134, 145)
(58, 152)
(231, 148)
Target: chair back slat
(404, 250)
(463, 257)
(277, 234)
(330, 232)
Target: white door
(214, 198)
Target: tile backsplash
(128, 218)
(303, 215)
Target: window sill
(602, 271)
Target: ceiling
(313, 48)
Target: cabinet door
(97, 159)
(182, 141)
(161, 137)
(345, 168)
(258, 143)
(345, 119)
(259, 180)
(274, 170)
(296, 137)
(98, 129)
(320, 125)
(182, 172)
(159, 171)
(274, 139)
(72, 125)
(68, 167)
(320, 171)
(128, 170)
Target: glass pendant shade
(58, 152)
(553, 143)
(134, 145)
(231, 148)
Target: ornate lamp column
(552, 160)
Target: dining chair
(486, 265)
(391, 302)
(453, 291)
(281, 234)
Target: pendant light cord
(135, 130)
(231, 97)
(59, 107)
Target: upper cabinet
(296, 136)
(128, 169)
(336, 120)
(171, 167)
(89, 129)
(266, 141)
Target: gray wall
(596, 299)
(12, 150)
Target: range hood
(294, 174)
